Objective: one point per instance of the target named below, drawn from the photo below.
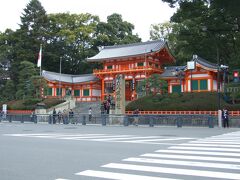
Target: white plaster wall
(198, 75)
(189, 85)
(209, 83)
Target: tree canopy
(203, 27)
(71, 37)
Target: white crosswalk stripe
(199, 152)
(184, 163)
(206, 148)
(118, 176)
(107, 138)
(214, 157)
(212, 174)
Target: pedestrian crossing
(216, 157)
(169, 140)
(198, 159)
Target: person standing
(59, 117)
(54, 115)
(71, 116)
(90, 114)
(65, 117)
(225, 118)
(135, 121)
(108, 105)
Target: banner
(39, 62)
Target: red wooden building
(136, 62)
(202, 78)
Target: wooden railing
(120, 70)
(215, 113)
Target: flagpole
(60, 72)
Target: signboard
(4, 111)
(133, 84)
(191, 65)
(4, 108)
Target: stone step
(83, 107)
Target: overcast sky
(141, 13)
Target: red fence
(19, 111)
(215, 113)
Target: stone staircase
(83, 107)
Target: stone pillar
(120, 94)
(41, 112)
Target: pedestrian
(225, 118)
(108, 107)
(90, 114)
(33, 117)
(54, 115)
(65, 117)
(105, 106)
(59, 117)
(71, 116)
(109, 99)
(136, 118)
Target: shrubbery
(30, 104)
(183, 101)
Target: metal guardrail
(124, 119)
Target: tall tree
(26, 40)
(115, 31)
(25, 87)
(71, 39)
(205, 26)
(5, 55)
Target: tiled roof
(204, 62)
(170, 70)
(52, 76)
(128, 50)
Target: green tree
(115, 31)
(25, 42)
(220, 20)
(152, 86)
(6, 56)
(25, 87)
(71, 38)
(40, 86)
(8, 91)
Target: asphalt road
(73, 152)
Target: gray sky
(141, 13)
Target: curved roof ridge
(53, 76)
(206, 61)
(129, 50)
(132, 44)
(63, 74)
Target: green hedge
(30, 104)
(183, 101)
